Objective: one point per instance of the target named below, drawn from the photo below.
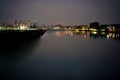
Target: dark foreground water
(61, 55)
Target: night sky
(61, 11)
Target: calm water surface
(62, 55)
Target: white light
(94, 32)
(108, 36)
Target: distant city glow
(23, 27)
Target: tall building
(94, 25)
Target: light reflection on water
(65, 33)
(64, 55)
(86, 34)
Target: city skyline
(61, 11)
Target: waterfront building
(94, 26)
(114, 28)
(84, 27)
(81, 28)
(104, 28)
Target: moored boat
(21, 33)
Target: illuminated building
(77, 29)
(114, 28)
(104, 28)
(68, 28)
(81, 28)
(56, 28)
(23, 27)
(84, 27)
(94, 26)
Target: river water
(62, 55)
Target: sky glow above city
(67, 12)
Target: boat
(13, 34)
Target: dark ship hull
(16, 40)
(15, 34)
(13, 40)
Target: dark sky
(61, 11)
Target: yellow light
(83, 32)
(113, 28)
(83, 28)
(86, 28)
(108, 36)
(94, 29)
(57, 28)
(103, 33)
(102, 29)
(23, 27)
(94, 32)
(91, 29)
(113, 36)
(77, 30)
